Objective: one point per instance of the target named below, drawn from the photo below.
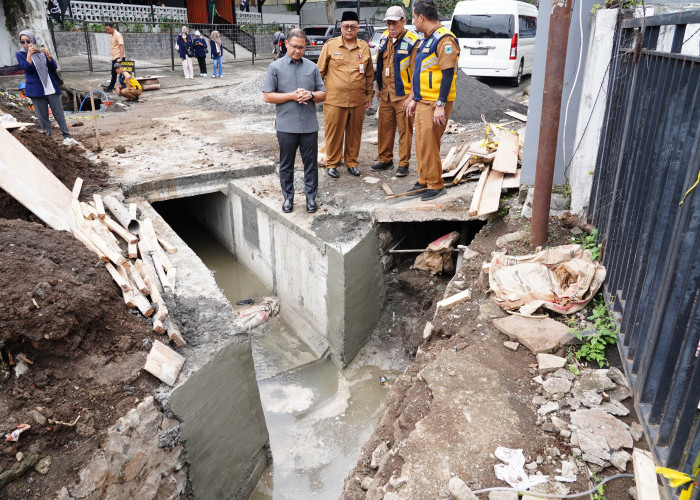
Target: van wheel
(516, 80)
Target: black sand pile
(475, 98)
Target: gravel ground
(243, 98)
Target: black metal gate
(649, 157)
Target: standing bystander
(294, 84)
(345, 64)
(185, 50)
(116, 51)
(200, 52)
(434, 92)
(217, 53)
(393, 75)
(278, 41)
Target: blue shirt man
(294, 84)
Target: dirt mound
(61, 311)
(65, 162)
(475, 98)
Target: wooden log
(118, 278)
(164, 363)
(82, 237)
(511, 181)
(136, 278)
(117, 228)
(458, 177)
(99, 206)
(152, 282)
(516, 115)
(506, 159)
(77, 187)
(645, 475)
(476, 198)
(491, 196)
(143, 305)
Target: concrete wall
(136, 45)
(214, 212)
(34, 20)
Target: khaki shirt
(346, 86)
(388, 91)
(446, 60)
(115, 40)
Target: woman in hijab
(217, 52)
(41, 84)
(200, 52)
(186, 51)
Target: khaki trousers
(339, 121)
(131, 94)
(428, 137)
(391, 116)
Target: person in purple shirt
(41, 84)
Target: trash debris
(245, 302)
(252, 314)
(438, 256)
(562, 279)
(13, 437)
(513, 471)
(383, 381)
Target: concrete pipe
(121, 213)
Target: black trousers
(308, 147)
(114, 77)
(202, 64)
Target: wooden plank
(516, 115)
(29, 182)
(119, 229)
(506, 159)
(511, 181)
(406, 193)
(166, 246)
(453, 300)
(11, 125)
(174, 332)
(387, 189)
(158, 326)
(88, 212)
(118, 278)
(645, 475)
(77, 187)
(476, 198)
(104, 247)
(133, 250)
(491, 196)
(99, 206)
(164, 363)
(449, 159)
(136, 278)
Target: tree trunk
(329, 11)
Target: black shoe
(310, 205)
(354, 171)
(333, 172)
(288, 205)
(382, 166)
(416, 189)
(401, 172)
(431, 194)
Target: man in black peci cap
(346, 66)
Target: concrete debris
(510, 237)
(459, 489)
(539, 380)
(43, 466)
(636, 431)
(538, 335)
(594, 448)
(620, 394)
(547, 363)
(366, 483)
(513, 346)
(615, 408)
(549, 407)
(551, 488)
(428, 330)
(512, 471)
(559, 204)
(567, 472)
(556, 385)
(587, 398)
(397, 482)
(381, 449)
(571, 339)
(559, 423)
(595, 380)
(618, 377)
(390, 495)
(564, 373)
(619, 459)
(615, 432)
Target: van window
(483, 26)
(528, 26)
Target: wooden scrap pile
(144, 273)
(496, 161)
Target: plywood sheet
(511, 181)
(506, 159)
(28, 181)
(491, 196)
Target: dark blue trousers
(308, 148)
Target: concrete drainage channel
(283, 395)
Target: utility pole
(559, 22)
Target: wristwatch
(440, 103)
(313, 96)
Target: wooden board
(164, 363)
(491, 196)
(506, 159)
(511, 181)
(476, 198)
(516, 115)
(453, 300)
(11, 125)
(387, 189)
(645, 475)
(28, 181)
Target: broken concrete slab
(620, 394)
(540, 335)
(636, 431)
(548, 408)
(615, 408)
(594, 448)
(489, 310)
(510, 237)
(513, 346)
(564, 373)
(619, 459)
(617, 376)
(556, 385)
(595, 421)
(595, 380)
(459, 489)
(547, 363)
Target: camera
(38, 47)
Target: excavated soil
(69, 348)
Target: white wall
(34, 21)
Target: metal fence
(649, 157)
(84, 45)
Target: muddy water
(318, 417)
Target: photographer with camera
(42, 84)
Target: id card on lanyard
(361, 66)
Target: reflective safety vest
(133, 82)
(427, 74)
(402, 59)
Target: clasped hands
(302, 96)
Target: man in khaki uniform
(434, 92)
(116, 51)
(345, 64)
(393, 76)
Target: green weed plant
(593, 348)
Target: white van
(497, 37)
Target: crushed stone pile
(244, 98)
(475, 98)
